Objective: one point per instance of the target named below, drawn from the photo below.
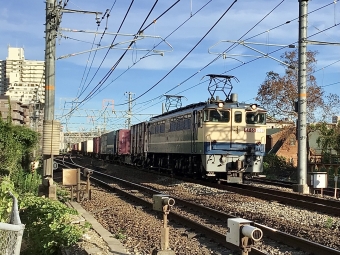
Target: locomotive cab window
(256, 118)
(238, 117)
(215, 115)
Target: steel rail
(331, 207)
(287, 184)
(268, 232)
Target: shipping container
(88, 146)
(123, 139)
(138, 139)
(75, 147)
(110, 142)
(96, 145)
(107, 143)
(103, 141)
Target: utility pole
(302, 186)
(129, 112)
(51, 128)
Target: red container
(75, 147)
(96, 145)
(123, 142)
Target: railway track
(294, 199)
(312, 203)
(142, 194)
(287, 184)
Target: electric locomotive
(221, 139)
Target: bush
(5, 200)
(26, 182)
(48, 225)
(277, 167)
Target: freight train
(220, 139)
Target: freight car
(220, 139)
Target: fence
(11, 233)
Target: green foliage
(16, 144)
(5, 200)
(26, 182)
(328, 223)
(277, 167)
(329, 138)
(120, 234)
(63, 194)
(48, 225)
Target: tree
(16, 144)
(329, 138)
(330, 107)
(278, 93)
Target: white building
(22, 80)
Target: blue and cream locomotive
(218, 138)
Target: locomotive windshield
(256, 118)
(216, 115)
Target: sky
(182, 43)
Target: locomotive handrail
(209, 137)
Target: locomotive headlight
(220, 104)
(253, 106)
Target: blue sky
(22, 25)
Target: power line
(98, 86)
(103, 80)
(231, 48)
(187, 53)
(320, 31)
(92, 94)
(219, 55)
(192, 15)
(121, 24)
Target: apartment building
(18, 113)
(23, 82)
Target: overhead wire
(100, 84)
(127, 12)
(123, 21)
(278, 49)
(283, 47)
(107, 52)
(121, 57)
(155, 46)
(107, 14)
(188, 52)
(118, 61)
(218, 55)
(331, 84)
(248, 61)
(74, 39)
(89, 56)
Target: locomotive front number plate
(254, 130)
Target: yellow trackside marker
(302, 95)
(49, 87)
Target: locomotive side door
(194, 131)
